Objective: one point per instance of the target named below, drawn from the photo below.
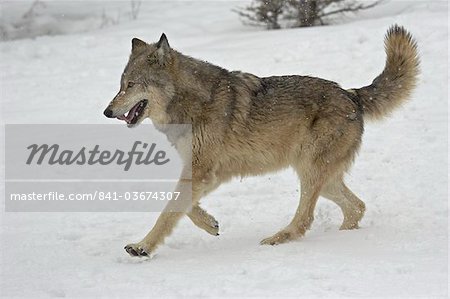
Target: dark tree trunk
(307, 13)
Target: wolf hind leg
(311, 184)
(203, 220)
(352, 207)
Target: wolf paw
(137, 250)
(208, 223)
(352, 219)
(280, 237)
(349, 225)
(211, 226)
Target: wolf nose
(108, 113)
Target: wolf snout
(108, 113)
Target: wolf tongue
(130, 115)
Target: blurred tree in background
(298, 13)
(264, 12)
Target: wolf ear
(163, 49)
(137, 44)
(163, 43)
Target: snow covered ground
(401, 172)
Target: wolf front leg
(166, 222)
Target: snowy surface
(401, 172)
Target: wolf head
(146, 84)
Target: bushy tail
(398, 79)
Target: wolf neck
(197, 74)
(195, 86)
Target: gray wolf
(245, 125)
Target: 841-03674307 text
(97, 195)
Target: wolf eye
(130, 84)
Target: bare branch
(349, 9)
(298, 13)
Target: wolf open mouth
(135, 113)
